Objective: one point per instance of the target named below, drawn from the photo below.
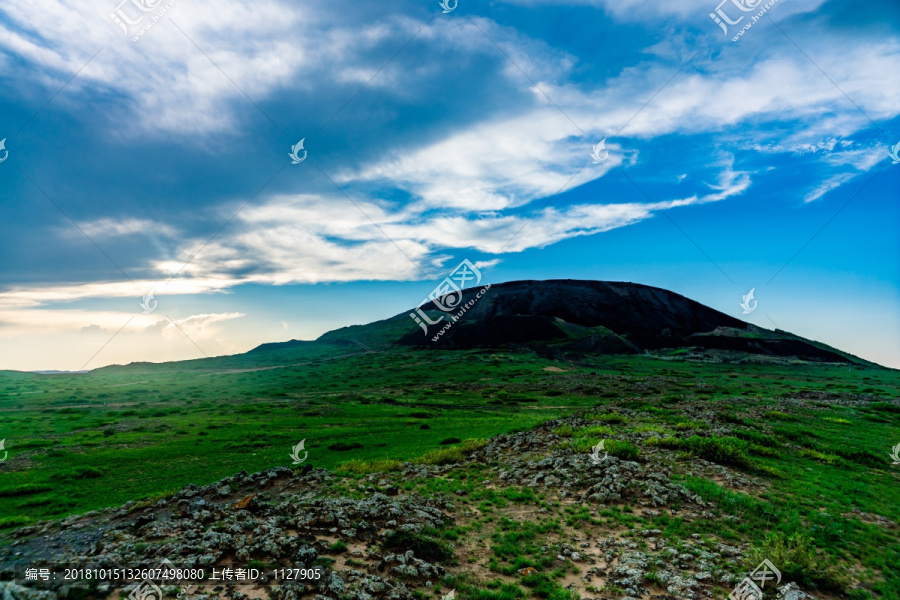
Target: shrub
(11, 522)
(781, 416)
(623, 450)
(24, 490)
(447, 441)
(364, 467)
(829, 459)
(724, 451)
(423, 547)
(687, 425)
(649, 429)
(756, 438)
(342, 447)
(730, 418)
(800, 436)
(862, 457)
(766, 470)
(338, 546)
(564, 431)
(595, 431)
(81, 473)
(607, 417)
(453, 454)
(499, 591)
(798, 561)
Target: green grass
(83, 442)
(453, 454)
(723, 450)
(622, 449)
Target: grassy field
(820, 434)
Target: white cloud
(472, 187)
(109, 227)
(198, 327)
(831, 183)
(654, 10)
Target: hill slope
(573, 316)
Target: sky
(148, 149)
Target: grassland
(820, 436)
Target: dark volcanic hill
(574, 316)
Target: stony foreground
(387, 535)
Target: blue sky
(162, 164)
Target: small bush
(564, 431)
(781, 416)
(798, 561)
(771, 471)
(11, 522)
(447, 441)
(453, 454)
(799, 436)
(24, 490)
(364, 467)
(338, 546)
(81, 473)
(342, 447)
(623, 450)
(649, 429)
(423, 547)
(506, 591)
(607, 417)
(828, 459)
(724, 451)
(687, 425)
(862, 457)
(734, 419)
(756, 438)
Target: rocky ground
(418, 532)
